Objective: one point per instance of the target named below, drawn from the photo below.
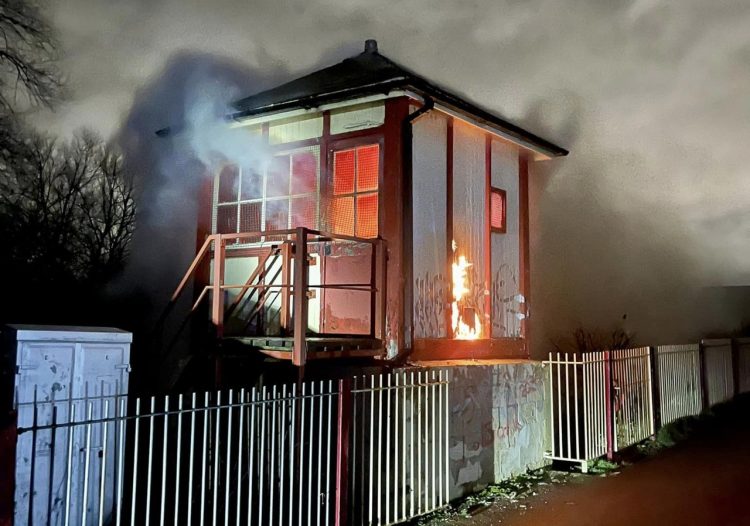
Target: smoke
(191, 95)
(649, 96)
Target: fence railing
(372, 451)
(602, 402)
(400, 467)
(679, 381)
(718, 371)
(632, 398)
(578, 408)
(282, 283)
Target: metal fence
(679, 381)
(633, 409)
(718, 371)
(400, 467)
(578, 406)
(309, 453)
(603, 402)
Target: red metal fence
(603, 402)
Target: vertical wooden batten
(523, 217)
(449, 227)
(391, 212)
(487, 235)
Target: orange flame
(462, 331)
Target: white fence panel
(633, 401)
(400, 467)
(680, 393)
(717, 360)
(578, 415)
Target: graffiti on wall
(430, 296)
(507, 307)
(498, 425)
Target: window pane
(368, 158)
(497, 209)
(277, 183)
(226, 219)
(304, 212)
(304, 173)
(250, 220)
(342, 216)
(250, 217)
(277, 214)
(343, 172)
(252, 184)
(367, 215)
(228, 184)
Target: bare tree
(67, 211)
(27, 56)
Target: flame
(462, 331)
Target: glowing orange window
(497, 210)
(354, 204)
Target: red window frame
(360, 144)
(498, 195)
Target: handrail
(294, 263)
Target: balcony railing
(281, 282)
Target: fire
(461, 330)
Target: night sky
(650, 97)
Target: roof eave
(423, 89)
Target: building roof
(371, 73)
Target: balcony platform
(318, 347)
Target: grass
(509, 491)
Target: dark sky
(650, 96)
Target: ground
(700, 481)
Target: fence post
(702, 366)
(655, 388)
(342, 451)
(8, 441)
(609, 406)
(735, 367)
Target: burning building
(389, 219)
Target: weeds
(587, 340)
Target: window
(284, 196)
(353, 209)
(497, 210)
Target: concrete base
(498, 421)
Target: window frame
(264, 198)
(352, 143)
(504, 199)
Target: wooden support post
(524, 253)
(380, 284)
(286, 272)
(342, 451)
(609, 405)
(449, 228)
(487, 237)
(217, 301)
(299, 352)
